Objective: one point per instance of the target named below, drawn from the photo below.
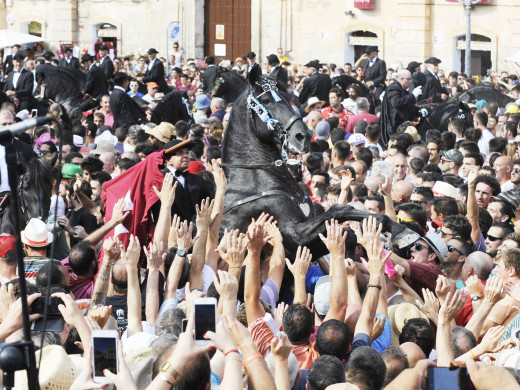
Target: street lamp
(468, 4)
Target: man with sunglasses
(496, 235)
(515, 174)
(423, 196)
(458, 250)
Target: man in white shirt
(480, 120)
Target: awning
(514, 58)
(10, 38)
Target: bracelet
(378, 286)
(251, 358)
(235, 267)
(472, 354)
(231, 351)
(164, 379)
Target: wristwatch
(476, 298)
(181, 252)
(167, 368)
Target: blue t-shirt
(383, 341)
(311, 278)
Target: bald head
(413, 353)
(372, 184)
(402, 190)
(6, 118)
(119, 277)
(404, 77)
(481, 263)
(314, 118)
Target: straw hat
(311, 102)
(102, 147)
(399, 315)
(163, 131)
(57, 370)
(36, 234)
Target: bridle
(255, 106)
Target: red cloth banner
(364, 4)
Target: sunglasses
(491, 238)
(400, 220)
(451, 249)
(419, 202)
(444, 234)
(418, 246)
(44, 152)
(515, 170)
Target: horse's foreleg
(306, 233)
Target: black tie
(178, 173)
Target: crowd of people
(368, 315)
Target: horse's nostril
(300, 137)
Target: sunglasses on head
(492, 238)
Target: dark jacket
(316, 85)
(398, 107)
(108, 67)
(433, 88)
(376, 73)
(156, 74)
(126, 112)
(96, 84)
(8, 64)
(24, 87)
(74, 63)
(280, 74)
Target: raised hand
(236, 245)
(112, 248)
(378, 327)
(185, 240)
(376, 260)
(452, 306)
(118, 212)
(172, 235)
(301, 264)
(442, 288)
(167, 193)
(350, 268)
(282, 348)
(130, 255)
(154, 255)
(204, 213)
(431, 305)
(492, 338)
(257, 238)
(494, 291)
(335, 240)
(226, 285)
(474, 286)
(472, 175)
(386, 187)
(219, 176)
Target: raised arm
(299, 269)
(118, 216)
(335, 242)
(111, 249)
(227, 287)
(493, 293)
(473, 212)
(155, 261)
(167, 197)
(386, 190)
(346, 181)
(232, 250)
(257, 240)
(449, 310)
(277, 260)
(199, 250)
(218, 212)
(130, 258)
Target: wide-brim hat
(163, 131)
(57, 369)
(103, 47)
(399, 315)
(272, 59)
(120, 76)
(371, 49)
(313, 64)
(152, 51)
(176, 144)
(86, 57)
(36, 234)
(311, 102)
(251, 55)
(433, 61)
(413, 65)
(102, 147)
(48, 55)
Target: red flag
(139, 180)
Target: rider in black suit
(106, 63)
(125, 110)
(375, 70)
(209, 76)
(433, 88)
(96, 83)
(155, 72)
(68, 60)
(191, 190)
(276, 71)
(315, 84)
(20, 84)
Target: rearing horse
(262, 124)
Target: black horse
(34, 191)
(171, 108)
(223, 83)
(439, 115)
(486, 92)
(262, 124)
(344, 81)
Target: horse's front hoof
(405, 238)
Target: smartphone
(55, 321)
(445, 378)
(184, 324)
(205, 318)
(34, 113)
(104, 353)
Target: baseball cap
(357, 139)
(322, 130)
(152, 84)
(455, 156)
(7, 243)
(322, 295)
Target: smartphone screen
(105, 354)
(204, 319)
(444, 378)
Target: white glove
(424, 112)
(417, 91)
(381, 97)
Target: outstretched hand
(335, 240)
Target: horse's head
(35, 190)
(281, 123)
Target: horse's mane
(37, 188)
(487, 92)
(38, 174)
(62, 80)
(171, 105)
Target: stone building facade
(329, 30)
